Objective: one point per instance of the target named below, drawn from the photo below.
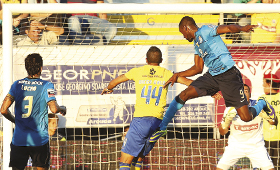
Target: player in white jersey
(245, 139)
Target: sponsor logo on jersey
(51, 93)
(246, 127)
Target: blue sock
(258, 108)
(124, 166)
(175, 105)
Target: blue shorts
(230, 83)
(141, 128)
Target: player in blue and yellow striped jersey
(32, 96)
(149, 108)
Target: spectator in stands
(245, 139)
(91, 24)
(271, 84)
(17, 17)
(49, 36)
(39, 16)
(53, 125)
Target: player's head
(53, 122)
(33, 64)
(271, 83)
(154, 55)
(247, 91)
(188, 27)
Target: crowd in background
(71, 29)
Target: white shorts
(257, 155)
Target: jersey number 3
(28, 106)
(149, 96)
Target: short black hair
(248, 87)
(187, 21)
(33, 64)
(154, 55)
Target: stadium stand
(154, 29)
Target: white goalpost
(79, 72)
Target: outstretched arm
(233, 28)
(197, 68)
(114, 83)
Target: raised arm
(57, 30)
(233, 28)
(8, 101)
(114, 83)
(197, 68)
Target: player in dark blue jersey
(32, 96)
(222, 75)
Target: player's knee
(189, 93)
(179, 100)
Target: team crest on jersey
(51, 93)
(200, 40)
(152, 71)
(211, 26)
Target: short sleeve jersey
(31, 111)
(211, 48)
(150, 95)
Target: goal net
(82, 59)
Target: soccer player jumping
(222, 75)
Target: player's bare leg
(126, 158)
(176, 104)
(125, 161)
(188, 93)
(244, 113)
(248, 113)
(137, 163)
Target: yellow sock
(132, 167)
(138, 165)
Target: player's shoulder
(21, 81)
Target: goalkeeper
(245, 139)
(149, 108)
